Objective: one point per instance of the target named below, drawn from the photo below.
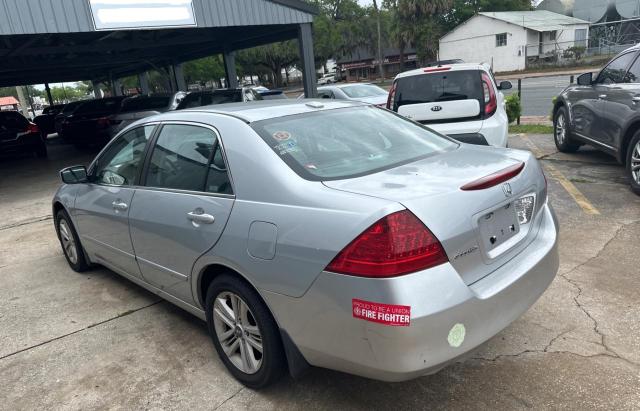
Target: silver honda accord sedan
(317, 233)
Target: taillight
(490, 99)
(395, 245)
(103, 122)
(437, 68)
(33, 128)
(392, 95)
(495, 178)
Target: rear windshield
(104, 105)
(209, 98)
(346, 143)
(439, 86)
(12, 120)
(363, 90)
(145, 103)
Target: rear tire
(633, 163)
(562, 132)
(243, 324)
(70, 242)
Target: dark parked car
(89, 124)
(46, 121)
(138, 107)
(604, 112)
(220, 96)
(272, 95)
(67, 110)
(17, 134)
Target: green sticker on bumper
(456, 335)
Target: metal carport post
(305, 42)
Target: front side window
(614, 72)
(188, 158)
(501, 40)
(120, 164)
(633, 75)
(346, 143)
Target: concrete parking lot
(95, 340)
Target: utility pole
(380, 62)
(23, 101)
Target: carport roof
(53, 41)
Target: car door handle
(602, 96)
(199, 216)
(120, 205)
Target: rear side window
(188, 158)
(345, 143)
(439, 86)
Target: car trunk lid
(463, 221)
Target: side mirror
(585, 79)
(505, 85)
(74, 175)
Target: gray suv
(604, 112)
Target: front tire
(562, 132)
(70, 242)
(244, 333)
(633, 163)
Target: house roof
(538, 20)
(8, 101)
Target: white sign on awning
(140, 14)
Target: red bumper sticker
(396, 315)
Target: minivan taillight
(392, 95)
(490, 99)
(395, 245)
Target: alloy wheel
(68, 243)
(561, 130)
(635, 163)
(238, 332)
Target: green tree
(204, 70)
(272, 57)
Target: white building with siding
(507, 39)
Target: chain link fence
(571, 53)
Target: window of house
(501, 39)
(552, 35)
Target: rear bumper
(323, 327)
(27, 142)
(471, 138)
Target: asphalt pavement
(537, 93)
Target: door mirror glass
(585, 79)
(74, 175)
(505, 85)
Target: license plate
(498, 226)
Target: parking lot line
(573, 191)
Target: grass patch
(530, 129)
